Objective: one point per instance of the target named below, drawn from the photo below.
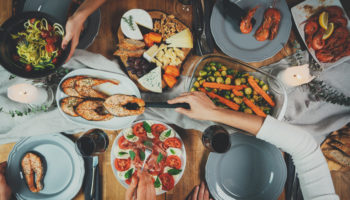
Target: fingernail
(64, 46)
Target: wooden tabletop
(105, 44)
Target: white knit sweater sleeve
(311, 166)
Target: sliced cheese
(182, 39)
(121, 153)
(129, 135)
(138, 16)
(174, 152)
(150, 53)
(166, 134)
(153, 80)
(176, 177)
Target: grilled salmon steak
(33, 169)
(117, 105)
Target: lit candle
(297, 75)
(27, 93)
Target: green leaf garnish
(128, 174)
(147, 127)
(130, 136)
(129, 21)
(159, 158)
(122, 153)
(132, 155)
(172, 151)
(157, 183)
(167, 134)
(174, 171)
(142, 155)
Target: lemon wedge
(323, 20)
(329, 31)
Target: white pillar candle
(295, 76)
(27, 93)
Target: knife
(134, 106)
(208, 6)
(235, 12)
(197, 14)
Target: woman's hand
(141, 187)
(74, 27)
(5, 190)
(200, 192)
(201, 106)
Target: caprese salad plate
(167, 160)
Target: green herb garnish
(142, 155)
(122, 153)
(129, 21)
(172, 151)
(159, 158)
(132, 155)
(174, 171)
(167, 134)
(128, 174)
(130, 136)
(147, 127)
(157, 183)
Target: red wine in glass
(92, 142)
(216, 139)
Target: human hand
(74, 27)
(5, 190)
(201, 106)
(200, 192)
(142, 186)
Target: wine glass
(216, 139)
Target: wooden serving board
(121, 37)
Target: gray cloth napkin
(319, 118)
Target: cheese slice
(150, 53)
(138, 16)
(153, 80)
(182, 39)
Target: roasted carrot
(255, 108)
(237, 93)
(227, 102)
(223, 86)
(155, 37)
(169, 80)
(260, 91)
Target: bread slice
(129, 53)
(131, 45)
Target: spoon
(147, 154)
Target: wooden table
(105, 44)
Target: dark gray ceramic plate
(245, 47)
(65, 167)
(252, 169)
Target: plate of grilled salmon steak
(84, 95)
(324, 27)
(153, 46)
(152, 146)
(243, 40)
(45, 167)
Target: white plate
(115, 145)
(126, 86)
(64, 172)
(300, 14)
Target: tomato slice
(122, 164)
(32, 20)
(28, 68)
(173, 161)
(138, 130)
(167, 181)
(172, 142)
(50, 48)
(157, 129)
(124, 143)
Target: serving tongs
(135, 106)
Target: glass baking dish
(275, 86)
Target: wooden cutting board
(155, 15)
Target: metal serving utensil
(147, 154)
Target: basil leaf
(167, 134)
(122, 153)
(172, 151)
(159, 158)
(132, 155)
(157, 183)
(148, 143)
(147, 127)
(174, 171)
(128, 174)
(142, 155)
(130, 136)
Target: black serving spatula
(134, 106)
(234, 11)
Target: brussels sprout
(230, 71)
(219, 80)
(213, 68)
(256, 97)
(199, 78)
(223, 73)
(265, 87)
(245, 75)
(261, 83)
(201, 81)
(228, 81)
(211, 79)
(237, 100)
(243, 106)
(232, 95)
(193, 89)
(256, 80)
(215, 90)
(224, 68)
(207, 68)
(196, 84)
(238, 81)
(208, 89)
(248, 90)
(210, 73)
(248, 110)
(244, 80)
(227, 96)
(217, 73)
(202, 73)
(212, 63)
(219, 65)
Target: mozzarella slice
(150, 135)
(121, 153)
(174, 151)
(129, 135)
(131, 18)
(176, 177)
(166, 134)
(121, 175)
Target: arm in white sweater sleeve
(311, 166)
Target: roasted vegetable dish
(236, 90)
(38, 45)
